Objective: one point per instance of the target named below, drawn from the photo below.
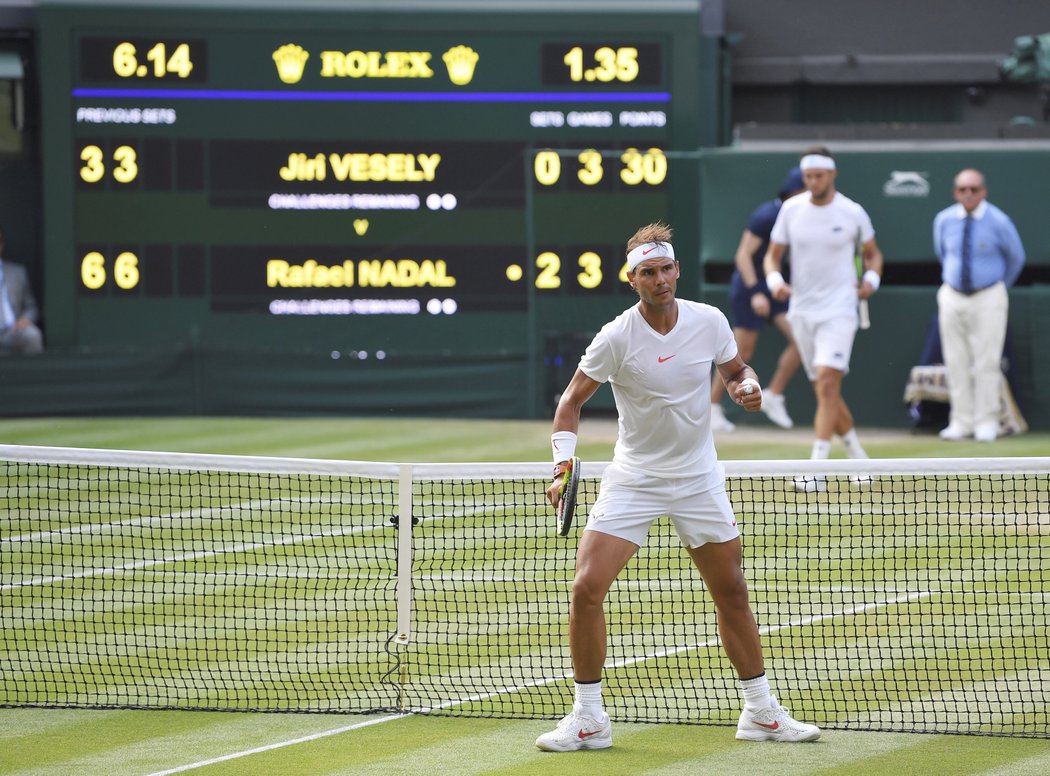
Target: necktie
(967, 273)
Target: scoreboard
(393, 181)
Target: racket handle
(865, 319)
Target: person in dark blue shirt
(981, 257)
(752, 306)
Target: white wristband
(774, 281)
(563, 445)
(872, 278)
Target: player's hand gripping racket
(567, 498)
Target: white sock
(853, 446)
(756, 692)
(821, 449)
(589, 699)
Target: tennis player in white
(823, 228)
(658, 356)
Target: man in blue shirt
(753, 307)
(981, 256)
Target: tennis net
(907, 595)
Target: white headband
(646, 251)
(817, 162)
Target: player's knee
(827, 385)
(731, 595)
(586, 593)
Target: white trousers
(973, 331)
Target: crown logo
(290, 60)
(460, 61)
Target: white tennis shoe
(719, 422)
(578, 731)
(775, 408)
(954, 433)
(986, 432)
(773, 724)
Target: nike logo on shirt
(661, 359)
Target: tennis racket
(858, 258)
(567, 499)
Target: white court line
(802, 621)
(279, 745)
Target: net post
(404, 555)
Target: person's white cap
(646, 251)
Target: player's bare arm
(771, 266)
(567, 416)
(741, 383)
(749, 244)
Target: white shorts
(824, 342)
(628, 504)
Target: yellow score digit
(574, 59)
(127, 160)
(591, 263)
(180, 63)
(124, 62)
(547, 167)
(606, 59)
(93, 271)
(549, 264)
(627, 63)
(126, 270)
(93, 169)
(590, 167)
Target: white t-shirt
(823, 241)
(662, 387)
